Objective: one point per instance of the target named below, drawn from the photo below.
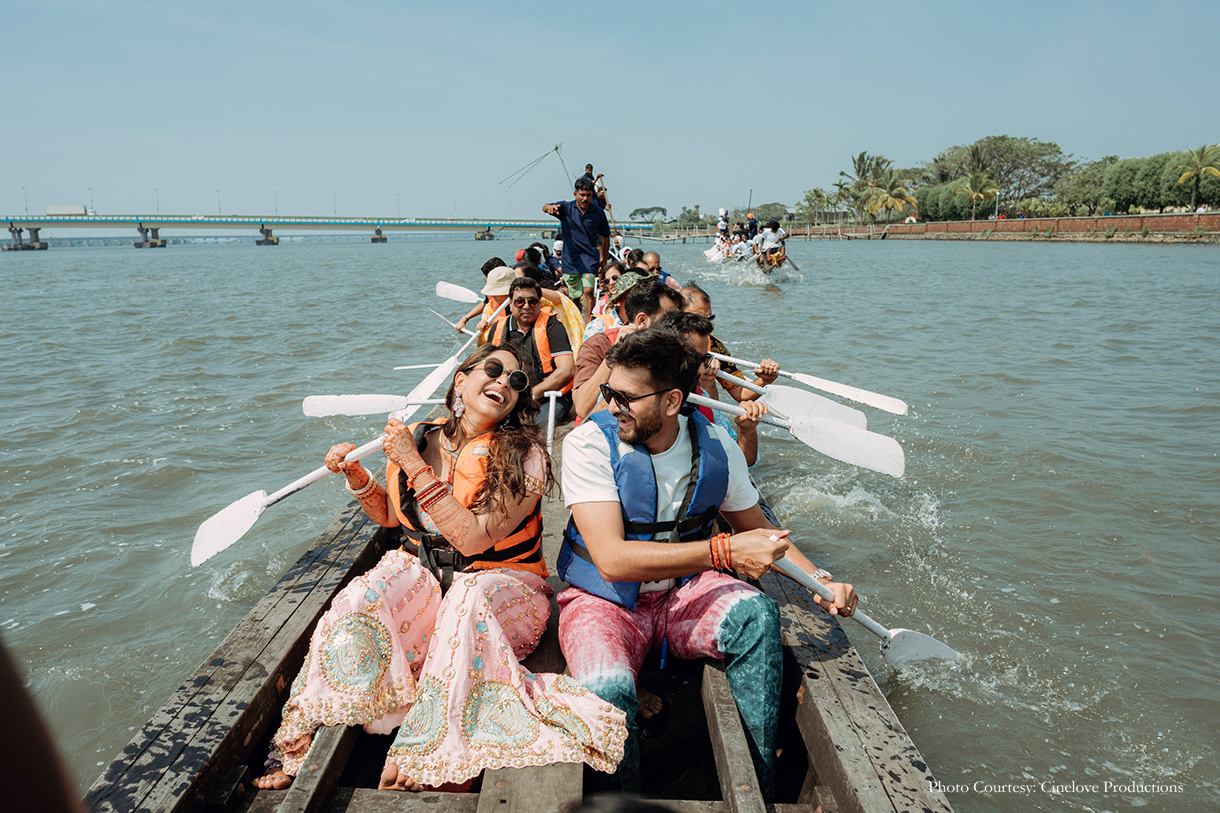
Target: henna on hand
(399, 447)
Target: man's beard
(645, 427)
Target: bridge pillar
(267, 239)
(18, 244)
(145, 240)
(378, 237)
(484, 235)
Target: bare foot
(394, 779)
(650, 704)
(276, 780)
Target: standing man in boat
(532, 327)
(586, 242)
(649, 572)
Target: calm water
(1057, 522)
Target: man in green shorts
(586, 242)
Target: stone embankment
(1148, 228)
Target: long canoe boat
(841, 748)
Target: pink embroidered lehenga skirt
(391, 652)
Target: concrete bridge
(149, 226)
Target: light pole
(158, 194)
(217, 201)
(91, 207)
(27, 201)
(277, 202)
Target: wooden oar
(898, 646)
(886, 402)
(791, 401)
(323, 406)
(223, 529)
(833, 439)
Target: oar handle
(808, 582)
(749, 385)
(733, 409)
(743, 362)
(317, 474)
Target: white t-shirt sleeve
(586, 475)
(741, 493)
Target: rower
(697, 300)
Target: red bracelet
(418, 472)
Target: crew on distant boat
(770, 254)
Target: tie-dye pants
(711, 616)
(391, 652)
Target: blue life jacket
(637, 489)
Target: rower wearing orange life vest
(536, 331)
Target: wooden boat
(841, 747)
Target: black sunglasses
(526, 303)
(609, 395)
(494, 368)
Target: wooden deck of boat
(841, 746)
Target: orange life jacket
(520, 550)
(497, 336)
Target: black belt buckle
(440, 558)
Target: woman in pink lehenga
(395, 649)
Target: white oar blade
(886, 402)
(456, 292)
(223, 529)
(793, 401)
(321, 406)
(850, 445)
(907, 646)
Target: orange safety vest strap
(521, 549)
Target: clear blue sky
(365, 103)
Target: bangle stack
(431, 495)
(364, 491)
(720, 548)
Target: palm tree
(978, 186)
(888, 191)
(1200, 162)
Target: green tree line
(998, 175)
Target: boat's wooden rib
(843, 748)
(734, 767)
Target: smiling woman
(466, 490)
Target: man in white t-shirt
(649, 572)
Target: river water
(1057, 522)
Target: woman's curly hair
(517, 437)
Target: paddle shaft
(886, 402)
(749, 385)
(317, 474)
(733, 409)
(373, 445)
(805, 580)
